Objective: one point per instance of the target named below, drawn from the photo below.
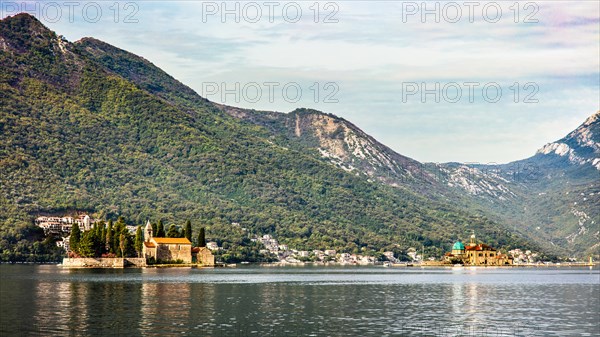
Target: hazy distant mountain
(553, 196)
(88, 126)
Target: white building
(62, 225)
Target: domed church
(476, 254)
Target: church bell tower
(148, 231)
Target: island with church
(476, 254)
(96, 244)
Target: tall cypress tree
(173, 232)
(122, 244)
(160, 230)
(75, 238)
(109, 237)
(96, 241)
(103, 237)
(139, 240)
(86, 245)
(97, 230)
(201, 238)
(188, 230)
(118, 228)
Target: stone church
(166, 249)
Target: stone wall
(174, 252)
(135, 262)
(88, 262)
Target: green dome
(458, 246)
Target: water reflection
(153, 302)
(458, 299)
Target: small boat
(387, 264)
(457, 265)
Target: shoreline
(417, 265)
(309, 264)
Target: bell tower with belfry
(148, 232)
(472, 240)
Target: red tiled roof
(199, 249)
(179, 241)
(480, 247)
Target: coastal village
(169, 249)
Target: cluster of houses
(523, 257)
(61, 225)
(286, 255)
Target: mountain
(579, 149)
(341, 143)
(86, 126)
(562, 201)
(550, 198)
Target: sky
(477, 82)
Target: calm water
(301, 301)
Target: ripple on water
(298, 301)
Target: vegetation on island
(106, 240)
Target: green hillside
(86, 126)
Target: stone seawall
(89, 262)
(135, 262)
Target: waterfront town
(157, 248)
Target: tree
(103, 236)
(160, 230)
(86, 246)
(173, 232)
(201, 238)
(97, 230)
(139, 241)
(154, 229)
(109, 238)
(122, 244)
(118, 229)
(75, 238)
(188, 230)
